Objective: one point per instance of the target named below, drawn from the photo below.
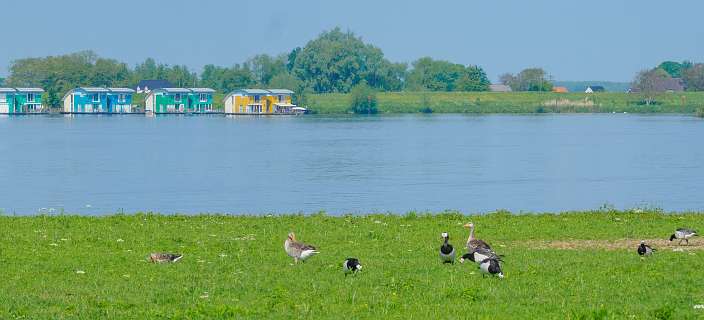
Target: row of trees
(689, 74)
(335, 61)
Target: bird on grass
(447, 252)
(351, 265)
(683, 234)
(492, 267)
(165, 257)
(645, 250)
(473, 243)
(298, 250)
(480, 254)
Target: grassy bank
(567, 266)
(514, 102)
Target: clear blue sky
(572, 40)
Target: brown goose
(298, 250)
(472, 243)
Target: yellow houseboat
(261, 101)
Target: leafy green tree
(2, 81)
(439, 75)
(227, 79)
(336, 61)
(363, 99)
(264, 67)
(531, 79)
(674, 69)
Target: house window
(281, 98)
(96, 97)
(30, 97)
(121, 98)
(256, 98)
(177, 97)
(203, 97)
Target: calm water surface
(189, 164)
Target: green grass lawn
(514, 102)
(70, 267)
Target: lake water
(358, 164)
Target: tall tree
(647, 82)
(336, 61)
(264, 67)
(693, 77)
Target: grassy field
(564, 266)
(513, 102)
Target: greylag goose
(351, 265)
(165, 257)
(644, 249)
(480, 254)
(473, 243)
(298, 250)
(491, 267)
(683, 234)
(447, 252)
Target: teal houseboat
(21, 101)
(98, 100)
(179, 101)
(200, 100)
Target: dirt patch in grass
(658, 244)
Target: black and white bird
(645, 250)
(480, 254)
(491, 267)
(473, 243)
(351, 265)
(159, 257)
(683, 234)
(447, 252)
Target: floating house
(260, 101)
(200, 100)
(180, 100)
(98, 100)
(21, 100)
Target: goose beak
(467, 225)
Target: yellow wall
(239, 103)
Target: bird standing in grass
(447, 252)
(645, 250)
(165, 257)
(351, 265)
(683, 234)
(480, 254)
(298, 250)
(492, 267)
(473, 243)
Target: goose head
(444, 235)
(469, 225)
(672, 237)
(291, 236)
